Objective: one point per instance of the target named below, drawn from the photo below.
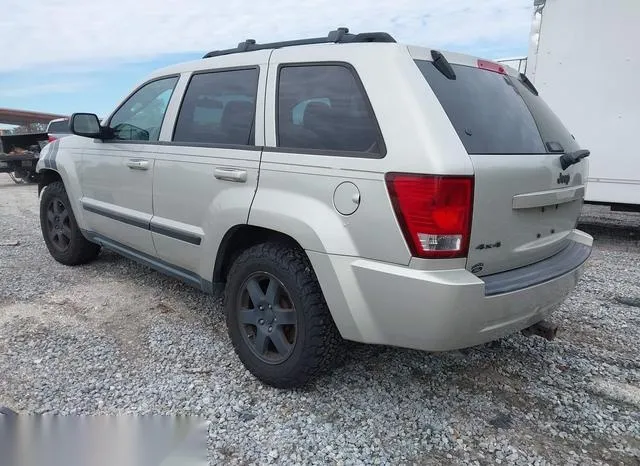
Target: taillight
(491, 66)
(51, 138)
(434, 212)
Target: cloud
(50, 33)
(43, 89)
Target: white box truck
(584, 59)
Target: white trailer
(584, 59)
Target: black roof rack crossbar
(339, 36)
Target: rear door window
(219, 108)
(323, 107)
(494, 113)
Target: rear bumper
(571, 257)
(380, 303)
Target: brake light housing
(51, 139)
(491, 66)
(434, 213)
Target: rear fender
(312, 223)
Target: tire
(60, 231)
(311, 340)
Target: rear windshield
(59, 126)
(494, 113)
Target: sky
(65, 56)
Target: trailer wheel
(61, 233)
(18, 178)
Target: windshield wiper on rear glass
(570, 158)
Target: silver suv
(340, 188)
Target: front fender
(63, 158)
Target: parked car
(345, 187)
(58, 128)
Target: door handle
(231, 174)
(138, 164)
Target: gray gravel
(115, 337)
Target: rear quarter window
(322, 107)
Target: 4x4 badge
(563, 179)
(497, 244)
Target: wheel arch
(71, 185)
(48, 176)
(239, 238)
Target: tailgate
(525, 203)
(524, 209)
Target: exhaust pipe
(544, 329)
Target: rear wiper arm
(566, 160)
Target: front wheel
(60, 230)
(277, 318)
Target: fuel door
(346, 198)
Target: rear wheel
(277, 318)
(60, 230)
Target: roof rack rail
(339, 36)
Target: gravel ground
(116, 337)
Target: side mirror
(86, 125)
